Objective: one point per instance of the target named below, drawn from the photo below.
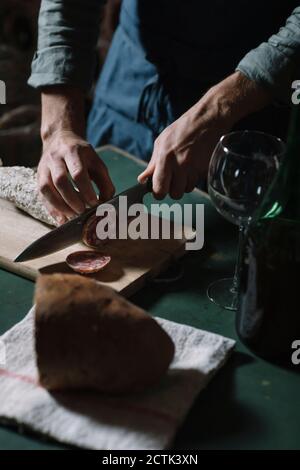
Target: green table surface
(250, 404)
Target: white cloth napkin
(94, 421)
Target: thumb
(146, 173)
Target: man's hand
(67, 158)
(183, 150)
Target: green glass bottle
(268, 317)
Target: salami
(87, 262)
(18, 184)
(89, 233)
(109, 230)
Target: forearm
(230, 101)
(62, 110)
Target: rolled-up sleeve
(276, 64)
(67, 37)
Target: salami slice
(87, 262)
(89, 233)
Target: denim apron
(165, 55)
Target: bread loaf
(89, 337)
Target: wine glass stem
(235, 284)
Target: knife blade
(71, 232)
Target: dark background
(20, 118)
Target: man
(178, 75)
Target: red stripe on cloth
(110, 401)
(23, 378)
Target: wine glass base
(222, 294)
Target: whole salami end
(87, 262)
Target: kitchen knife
(71, 232)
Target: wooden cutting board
(133, 261)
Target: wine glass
(241, 169)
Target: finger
(52, 199)
(58, 216)
(178, 184)
(61, 182)
(81, 178)
(142, 178)
(162, 177)
(100, 176)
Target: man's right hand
(67, 159)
